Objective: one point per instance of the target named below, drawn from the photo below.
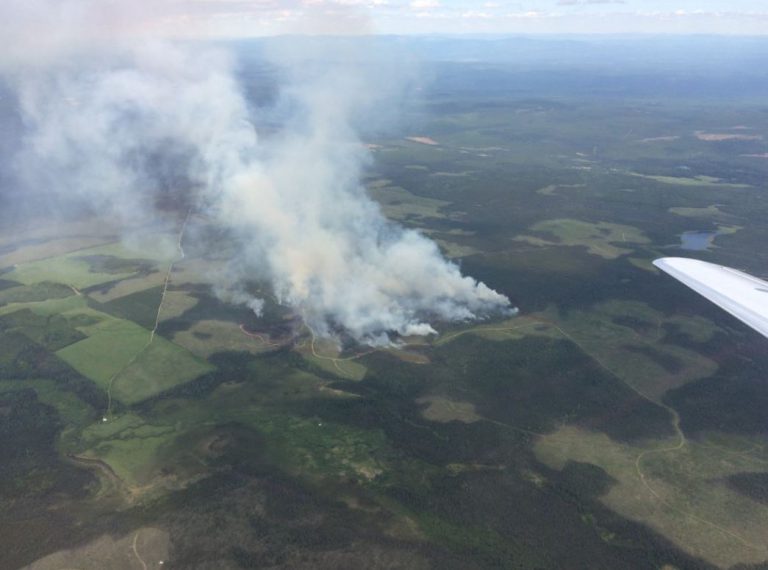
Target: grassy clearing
(447, 240)
(696, 328)
(176, 303)
(159, 449)
(448, 174)
(454, 250)
(599, 238)
(510, 329)
(728, 230)
(146, 458)
(707, 181)
(72, 269)
(162, 365)
(710, 211)
(627, 338)
(343, 368)
(442, 409)
(644, 264)
(552, 189)
(325, 354)
(119, 348)
(208, 337)
(51, 248)
(74, 413)
(681, 494)
(122, 426)
(65, 269)
(129, 445)
(423, 140)
(73, 303)
(142, 548)
(53, 332)
(127, 287)
(35, 293)
(110, 346)
(399, 204)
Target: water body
(697, 240)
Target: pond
(697, 240)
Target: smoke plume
(108, 123)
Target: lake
(697, 240)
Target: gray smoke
(96, 112)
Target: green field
(110, 347)
(700, 180)
(599, 238)
(159, 367)
(34, 293)
(117, 354)
(68, 270)
(77, 269)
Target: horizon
(217, 18)
(245, 19)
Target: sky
(247, 18)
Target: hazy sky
(266, 17)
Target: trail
(334, 359)
(681, 442)
(167, 280)
(136, 551)
(180, 248)
(681, 439)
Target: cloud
(588, 2)
(113, 125)
(424, 4)
(475, 14)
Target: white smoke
(233, 293)
(295, 202)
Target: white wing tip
(678, 262)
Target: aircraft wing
(741, 294)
